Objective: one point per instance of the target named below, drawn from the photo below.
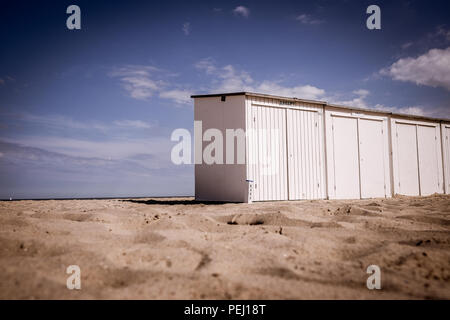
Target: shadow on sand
(175, 202)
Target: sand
(181, 249)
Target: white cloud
(179, 96)
(304, 92)
(144, 82)
(53, 174)
(186, 28)
(57, 121)
(232, 80)
(359, 101)
(430, 69)
(207, 65)
(308, 19)
(228, 79)
(362, 92)
(138, 124)
(61, 122)
(407, 45)
(442, 32)
(241, 11)
(102, 149)
(138, 80)
(140, 88)
(135, 70)
(417, 111)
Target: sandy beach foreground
(180, 249)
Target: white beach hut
(296, 149)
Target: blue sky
(89, 113)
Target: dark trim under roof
(218, 94)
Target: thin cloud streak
(308, 19)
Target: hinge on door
(254, 119)
(316, 124)
(334, 187)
